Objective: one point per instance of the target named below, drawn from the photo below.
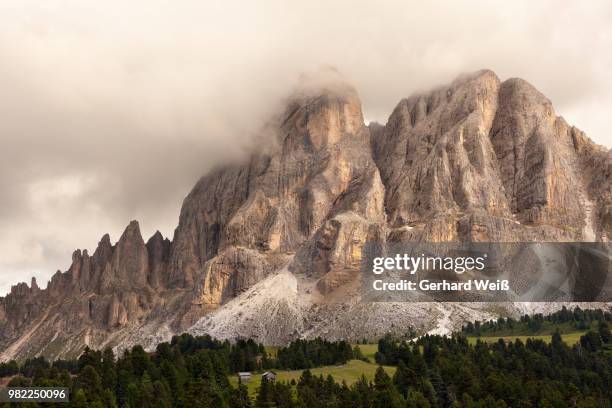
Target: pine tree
(282, 395)
(90, 382)
(240, 397)
(604, 332)
(401, 378)
(357, 354)
(361, 393)
(108, 399)
(79, 400)
(109, 376)
(89, 358)
(386, 395)
(264, 394)
(417, 400)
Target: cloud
(110, 111)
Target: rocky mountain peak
(520, 90)
(435, 156)
(103, 251)
(158, 249)
(322, 108)
(476, 160)
(156, 237)
(131, 233)
(105, 241)
(130, 262)
(34, 284)
(324, 81)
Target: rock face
(112, 290)
(483, 160)
(477, 160)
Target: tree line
(577, 319)
(302, 354)
(432, 371)
(186, 372)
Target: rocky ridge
(477, 160)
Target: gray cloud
(110, 111)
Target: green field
(368, 350)
(272, 351)
(569, 338)
(349, 372)
(352, 371)
(548, 328)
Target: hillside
(428, 371)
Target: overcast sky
(111, 110)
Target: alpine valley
(271, 249)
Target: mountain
(271, 248)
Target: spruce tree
(401, 378)
(240, 397)
(264, 394)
